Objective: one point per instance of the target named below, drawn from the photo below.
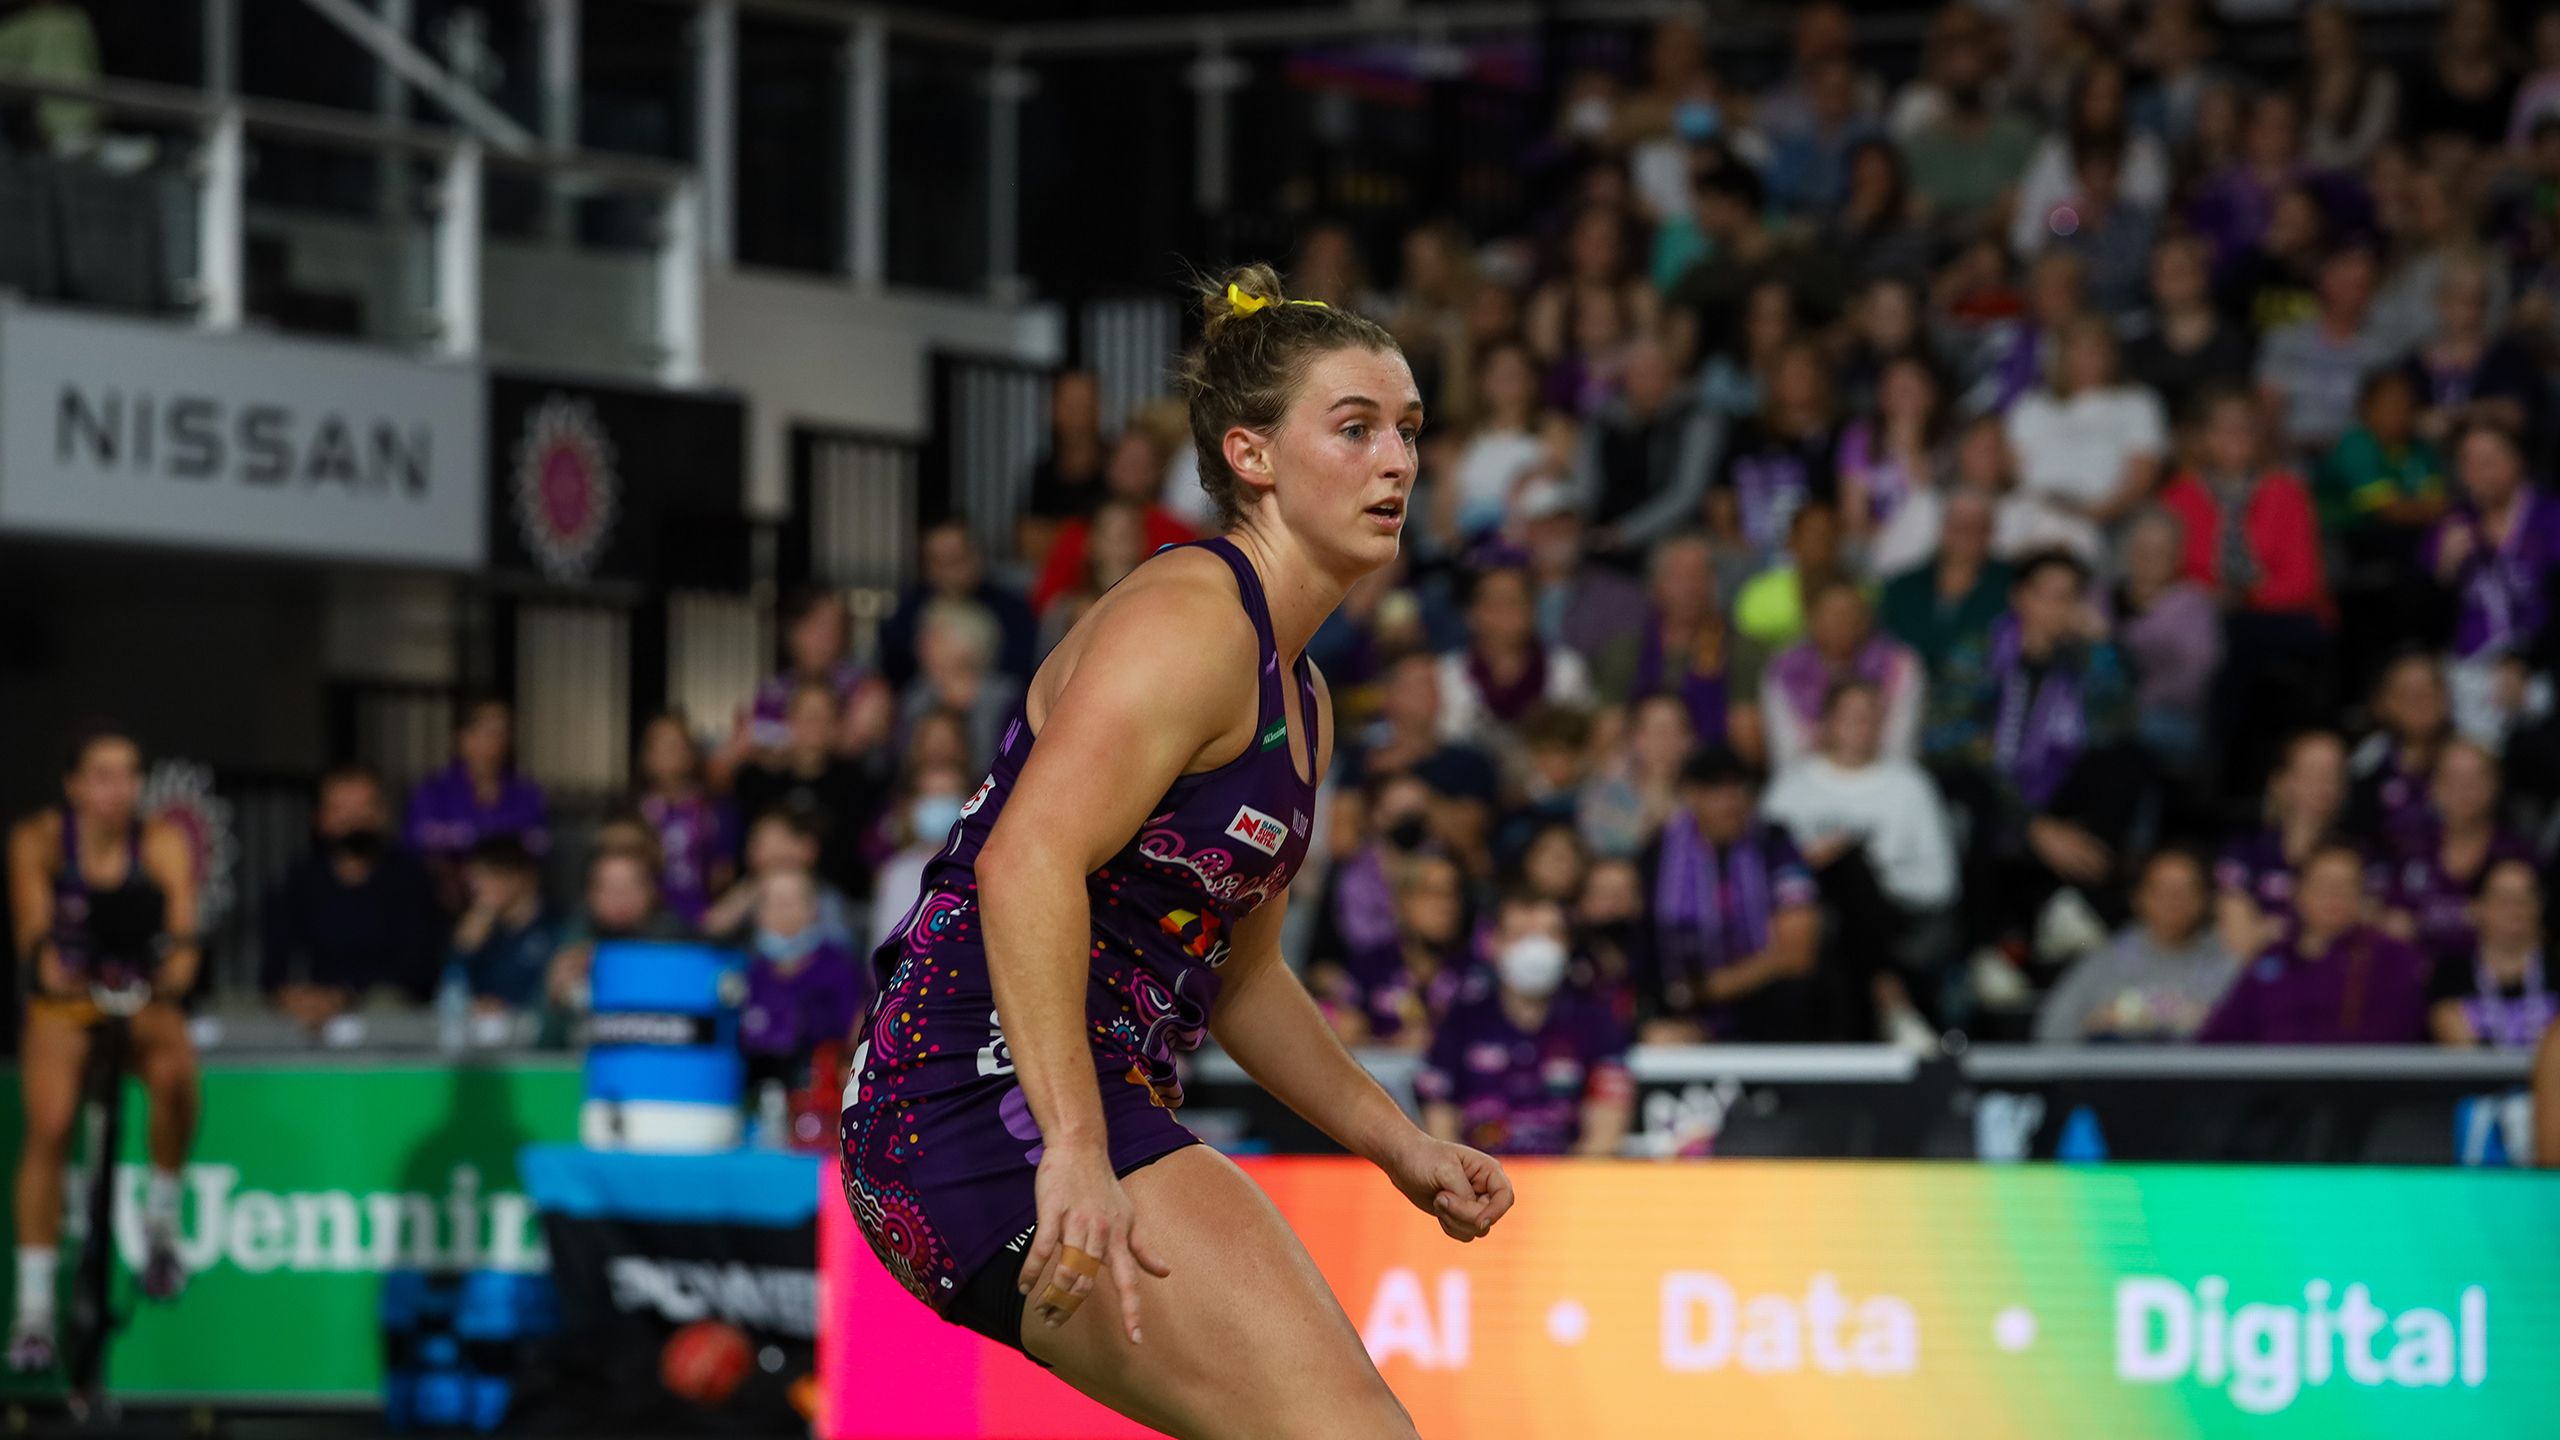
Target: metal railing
(225, 127)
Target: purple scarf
(1889, 482)
(2511, 1022)
(1509, 701)
(1702, 692)
(1708, 909)
(1804, 677)
(2040, 729)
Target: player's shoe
(31, 1349)
(164, 1275)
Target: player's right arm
(31, 902)
(1164, 680)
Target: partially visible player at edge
(1115, 890)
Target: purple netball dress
(940, 1146)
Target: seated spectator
(2158, 979)
(1889, 470)
(954, 568)
(2187, 344)
(354, 916)
(1841, 644)
(818, 641)
(1732, 386)
(478, 796)
(504, 941)
(2332, 980)
(1646, 456)
(1408, 737)
(1742, 253)
(2351, 103)
(1134, 480)
(2310, 372)
(1685, 649)
(1623, 807)
(1533, 1068)
(1598, 256)
(1882, 852)
(1875, 233)
(1953, 600)
(2390, 772)
(1399, 997)
(2052, 188)
(1608, 926)
(804, 987)
(2465, 370)
(2276, 282)
(2171, 631)
(2495, 996)
(1556, 745)
(2029, 729)
(622, 904)
(920, 828)
(2106, 223)
(2431, 883)
(2233, 208)
(1551, 866)
(2017, 348)
(1066, 481)
(2496, 553)
(1814, 125)
(1730, 943)
(2089, 448)
(1770, 610)
(1965, 162)
(1107, 547)
(779, 842)
(1582, 605)
(2258, 873)
(1506, 670)
(1591, 370)
(1503, 447)
(2253, 542)
(810, 779)
(956, 649)
(696, 835)
(2380, 489)
(1886, 324)
(1780, 461)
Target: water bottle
(453, 1011)
(773, 1116)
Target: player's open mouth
(1388, 513)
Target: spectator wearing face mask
(935, 795)
(1533, 1068)
(354, 915)
(2158, 979)
(2333, 979)
(1732, 929)
(804, 986)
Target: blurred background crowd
(2048, 541)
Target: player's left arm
(169, 862)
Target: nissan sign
(137, 431)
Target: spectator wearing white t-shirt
(2088, 448)
(1504, 449)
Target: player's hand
(1465, 1190)
(1084, 1209)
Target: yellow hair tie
(1244, 304)
(1316, 303)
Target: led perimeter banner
(1866, 1301)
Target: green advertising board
(307, 1183)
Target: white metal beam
(715, 159)
(866, 211)
(393, 49)
(221, 274)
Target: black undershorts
(988, 1302)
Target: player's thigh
(164, 1054)
(52, 1051)
(1244, 1340)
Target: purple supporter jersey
(2255, 865)
(793, 1012)
(446, 817)
(2365, 989)
(2502, 588)
(1519, 1092)
(940, 1146)
(695, 834)
(2440, 901)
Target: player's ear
(1248, 454)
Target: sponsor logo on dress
(1257, 830)
(1298, 821)
(1278, 732)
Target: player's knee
(48, 1133)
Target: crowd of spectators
(2055, 548)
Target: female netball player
(1113, 891)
